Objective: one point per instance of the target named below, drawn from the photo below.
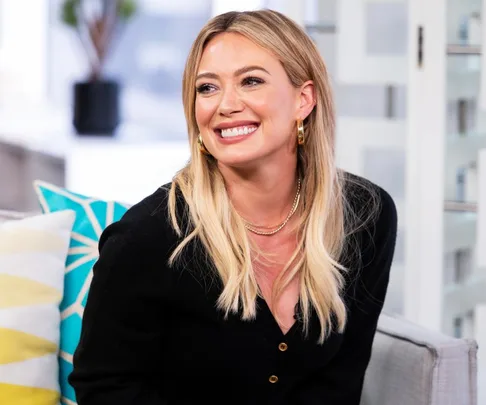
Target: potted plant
(96, 99)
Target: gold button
(283, 347)
(273, 379)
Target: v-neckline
(265, 310)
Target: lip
(235, 139)
(233, 124)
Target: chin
(239, 161)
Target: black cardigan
(152, 335)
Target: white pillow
(33, 253)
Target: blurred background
(410, 86)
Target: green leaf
(69, 12)
(127, 9)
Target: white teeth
(237, 131)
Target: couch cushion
(414, 366)
(10, 215)
(32, 255)
(93, 215)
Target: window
(148, 60)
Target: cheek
(274, 105)
(204, 111)
(265, 105)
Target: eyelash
(252, 79)
(204, 88)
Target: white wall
(23, 52)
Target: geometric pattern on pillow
(93, 215)
(32, 262)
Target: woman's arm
(119, 351)
(341, 381)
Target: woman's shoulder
(371, 221)
(370, 205)
(145, 224)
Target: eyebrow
(238, 72)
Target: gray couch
(411, 365)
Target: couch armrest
(414, 366)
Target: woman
(258, 275)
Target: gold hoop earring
(300, 132)
(202, 147)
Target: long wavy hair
(322, 215)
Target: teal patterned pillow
(92, 217)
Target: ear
(306, 100)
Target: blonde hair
(212, 218)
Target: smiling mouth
(237, 131)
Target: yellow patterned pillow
(33, 253)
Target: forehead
(235, 50)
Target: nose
(230, 102)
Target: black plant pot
(96, 107)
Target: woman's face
(246, 108)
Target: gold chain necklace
(252, 227)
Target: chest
(269, 267)
(203, 342)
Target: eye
(252, 81)
(205, 88)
